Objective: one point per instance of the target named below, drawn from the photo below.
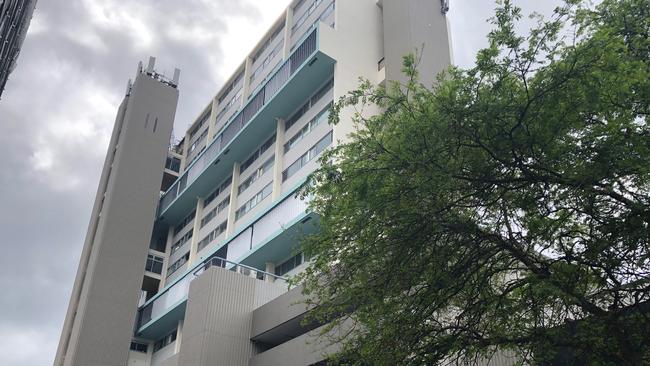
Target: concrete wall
(217, 326)
(164, 355)
(139, 358)
(171, 361)
(411, 25)
(304, 350)
(357, 46)
(99, 323)
(278, 311)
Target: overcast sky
(57, 113)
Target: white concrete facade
(241, 162)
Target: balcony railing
(241, 119)
(239, 268)
(178, 292)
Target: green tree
(507, 207)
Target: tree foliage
(505, 208)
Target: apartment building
(15, 16)
(189, 247)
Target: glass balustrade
(239, 121)
(178, 292)
(262, 229)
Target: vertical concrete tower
(101, 314)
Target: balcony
(306, 349)
(279, 95)
(160, 315)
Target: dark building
(15, 16)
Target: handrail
(240, 119)
(145, 310)
(237, 267)
(290, 192)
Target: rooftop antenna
(444, 6)
(177, 74)
(150, 65)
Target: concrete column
(179, 336)
(195, 230)
(247, 81)
(168, 247)
(186, 147)
(270, 268)
(232, 207)
(279, 154)
(287, 33)
(212, 128)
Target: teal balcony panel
(218, 161)
(277, 233)
(156, 328)
(282, 245)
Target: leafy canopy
(507, 207)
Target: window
(268, 143)
(265, 146)
(257, 174)
(202, 136)
(220, 115)
(138, 347)
(213, 235)
(320, 117)
(311, 102)
(249, 161)
(322, 91)
(297, 7)
(222, 188)
(296, 116)
(303, 18)
(267, 60)
(164, 342)
(215, 211)
(231, 86)
(196, 129)
(307, 157)
(181, 225)
(234, 99)
(196, 156)
(328, 10)
(178, 264)
(268, 41)
(179, 243)
(289, 265)
(250, 204)
(173, 164)
(154, 264)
